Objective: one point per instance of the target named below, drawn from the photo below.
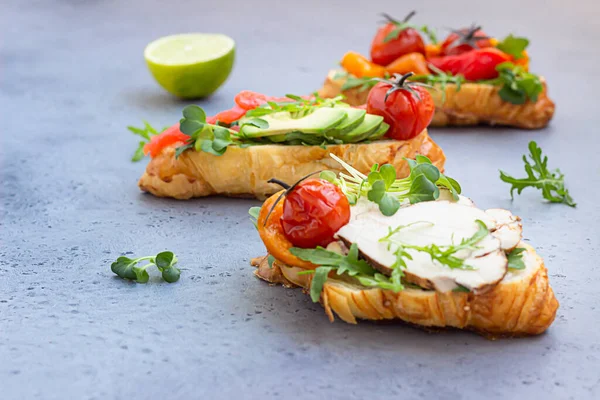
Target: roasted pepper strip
(360, 67)
(411, 62)
(474, 65)
(272, 234)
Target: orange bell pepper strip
(361, 67)
(272, 234)
(432, 50)
(411, 62)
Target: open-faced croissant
(471, 104)
(244, 172)
(494, 296)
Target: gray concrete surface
(72, 77)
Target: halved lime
(191, 65)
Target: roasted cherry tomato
(409, 40)
(464, 40)
(407, 107)
(474, 65)
(168, 137)
(313, 211)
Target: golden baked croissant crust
(473, 104)
(523, 303)
(245, 171)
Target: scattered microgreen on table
(128, 268)
(551, 183)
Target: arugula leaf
(515, 258)
(139, 153)
(444, 255)
(551, 183)
(518, 85)
(145, 133)
(128, 268)
(513, 46)
(440, 78)
(317, 283)
(349, 265)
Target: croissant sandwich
(374, 247)
(235, 152)
(474, 78)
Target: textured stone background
(72, 77)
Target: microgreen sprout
(165, 261)
(381, 186)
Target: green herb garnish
(382, 187)
(551, 183)
(349, 265)
(518, 85)
(515, 258)
(353, 82)
(145, 133)
(128, 268)
(212, 139)
(513, 46)
(444, 255)
(400, 26)
(440, 78)
(298, 107)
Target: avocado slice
(318, 122)
(380, 132)
(355, 118)
(369, 125)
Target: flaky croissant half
(473, 104)
(522, 304)
(244, 172)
